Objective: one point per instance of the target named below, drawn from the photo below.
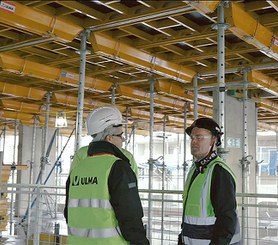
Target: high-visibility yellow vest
(91, 218)
(82, 154)
(199, 216)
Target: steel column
(151, 81)
(113, 98)
(219, 106)
(80, 106)
(32, 161)
(163, 179)
(13, 173)
(195, 83)
(185, 165)
(126, 128)
(44, 140)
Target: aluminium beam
(38, 22)
(245, 26)
(18, 65)
(117, 50)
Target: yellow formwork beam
(21, 91)
(245, 26)
(23, 17)
(266, 104)
(21, 106)
(22, 66)
(116, 49)
(267, 126)
(71, 101)
(160, 100)
(205, 7)
(174, 89)
(264, 81)
(17, 115)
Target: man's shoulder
(126, 152)
(82, 150)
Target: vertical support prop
(195, 83)
(219, 105)
(151, 81)
(45, 133)
(163, 179)
(80, 106)
(245, 162)
(185, 165)
(13, 180)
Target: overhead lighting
(61, 120)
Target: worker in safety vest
(82, 153)
(102, 201)
(209, 197)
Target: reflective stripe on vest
(89, 203)
(236, 238)
(94, 233)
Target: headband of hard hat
(206, 123)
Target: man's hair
(110, 130)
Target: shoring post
(31, 169)
(244, 162)
(79, 114)
(219, 105)
(126, 127)
(113, 97)
(185, 165)
(44, 141)
(195, 84)
(151, 81)
(13, 173)
(163, 178)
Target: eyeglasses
(199, 137)
(119, 135)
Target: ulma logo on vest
(84, 180)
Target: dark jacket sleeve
(67, 197)
(126, 203)
(223, 197)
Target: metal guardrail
(45, 223)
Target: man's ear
(108, 138)
(214, 140)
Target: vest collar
(202, 163)
(98, 147)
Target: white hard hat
(103, 117)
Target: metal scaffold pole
(113, 97)
(44, 157)
(151, 160)
(31, 170)
(13, 173)
(219, 95)
(195, 83)
(244, 161)
(163, 178)
(185, 165)
(79, 116)
(126, 128)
